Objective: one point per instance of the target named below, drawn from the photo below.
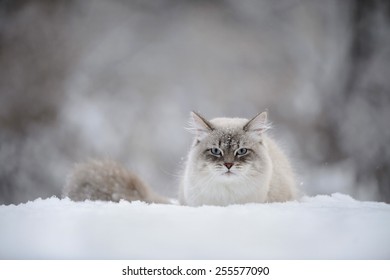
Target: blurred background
(82, 79)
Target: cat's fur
(262, 174)
(107, 180)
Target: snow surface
(321, 227)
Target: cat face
(230, 149)
(228, 162)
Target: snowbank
(321, 227)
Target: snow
(320, 227)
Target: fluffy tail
(109, 181)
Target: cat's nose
(228, 165)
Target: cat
(107, 180)
(231, 161)
(235, 161)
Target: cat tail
(107, 180)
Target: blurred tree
(368, 80)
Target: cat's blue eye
(216, 151)
(241, 151)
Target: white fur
(272, 179)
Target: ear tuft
(199, 126)
(258, 124)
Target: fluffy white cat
(234, 161)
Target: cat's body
(109, 181)
(234, 161)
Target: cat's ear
(258, 124)
(199, 126)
